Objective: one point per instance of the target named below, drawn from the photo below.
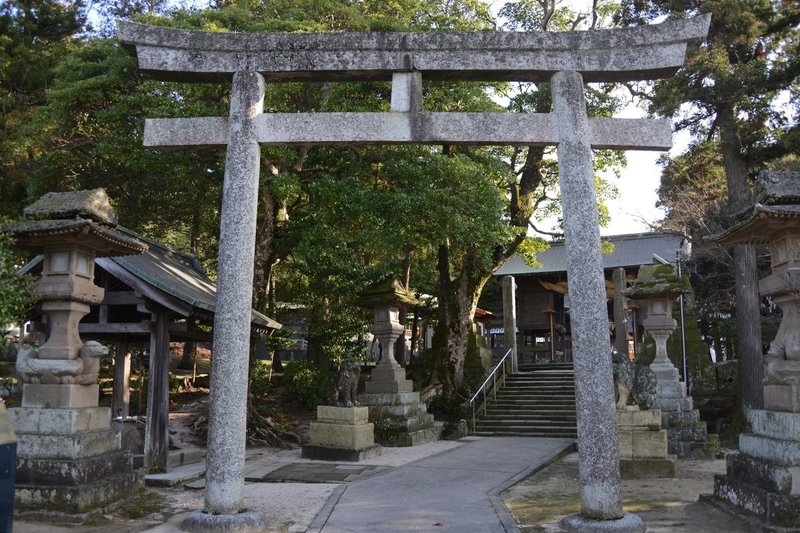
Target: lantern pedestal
(341, 434)
(643, 445)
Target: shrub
(306, 383)
(259, 378)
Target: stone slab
(388, 386)
(649, 52)
(673, 419)
(764, 475)
(67, 446)
(649, 419)
(73, 471)
(655, 467)
(673, 404)
(628, 523)
(397, 398)
(334, 128)
(78, 498)
(773, 509)
(342, 415)
(326, 453)
(782, 398)
(242, 522)
(775, 424)
(179, 476)
(399, 438)
(47, 421)
(398, 410)
(671, 389)
(60, 396)
(778, 452)
(642, 444)
(341, 436)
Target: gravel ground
(667, 505)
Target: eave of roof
(630, 250)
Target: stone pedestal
(687, 434)
(763, 479)
(341, 434)
(69, 459)
(643, 445)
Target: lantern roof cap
(83, 218)
(776, 210)
(389, 291)
(654, 281)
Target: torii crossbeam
(567, 60)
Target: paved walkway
(453, 491)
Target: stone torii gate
(567, 60)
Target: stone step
(528, 415)
(526, 433)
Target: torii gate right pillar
(594, 393)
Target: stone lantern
(764, 478)
(659, 286)
(69, 459)
(400, 418)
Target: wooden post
(620, 322)
(156, 438)
(550, 312)
(121, 399)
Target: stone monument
(69, 459)
(342, 431)
(400, 418)
(763, 479)
(642, 442)
(659, 285)
(567, 60)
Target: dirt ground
(665, 504)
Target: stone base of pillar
(763, 479)
(69, 460)
(643, 445)
(629, 523)
(400, 419)
(341, 434)
(244, 522)
(687, 435)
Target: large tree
(730, 92)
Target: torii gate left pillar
(567, 60)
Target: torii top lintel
(637, 53)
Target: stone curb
(506, 519)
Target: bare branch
(543, 232)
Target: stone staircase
(538, 401)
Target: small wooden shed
(157, 297)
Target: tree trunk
(457, 305)
(748, 316)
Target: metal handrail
(493, 377)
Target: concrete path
(454, 491)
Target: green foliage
(259, 379)
(528, 249)
(16, 296)
(306, 383)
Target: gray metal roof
(180, 275)
(629, 251)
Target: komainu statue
(80, 371)
(633, 381)
(346, 385)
